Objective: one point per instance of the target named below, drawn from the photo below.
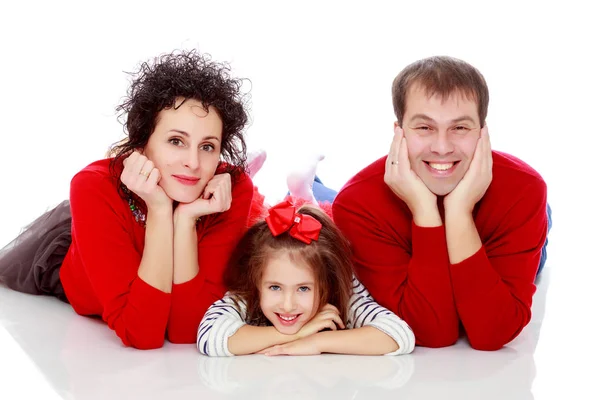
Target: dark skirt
(31, 263)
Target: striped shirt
(226, 316)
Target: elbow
(438, 341)
(490, 342)
(493, 337)
(181, 339)
(146, 344)
(439, 336)
(484, 345)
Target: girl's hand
(141, 177)
(328, 317)
(309, 346)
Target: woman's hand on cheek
(216, 198)
(141, 177)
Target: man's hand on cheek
(407, 185)
(477, 179)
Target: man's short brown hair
(441, 75)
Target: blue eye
(274, 287)
(303, 289)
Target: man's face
(441, 137)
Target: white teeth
(441, 167)
(287, 318)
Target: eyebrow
(280, 284)
(455, 120)
(184, 133)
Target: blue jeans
(544, 251)
(323, 193)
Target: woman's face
(185, 146)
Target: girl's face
(185, 146)
(288, 293)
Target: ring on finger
(394, 162)
(144, 173)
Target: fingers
(332, 321)
(339, 322)
(484, 132)
(485, 135)
(483, 149)
(330, 312)
(394, 154)
(330, 307)
(146, 168)
(403, 161)
(154, 177)
(275, 351)
(218, 192)
(263, 351)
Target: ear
(397, 125)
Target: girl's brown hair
(329, 257)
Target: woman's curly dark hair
(188, 74)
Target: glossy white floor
(79, 358)
(321, 73)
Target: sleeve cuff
(429, 245)
(473, 277)
(187, 289)
(152, 302)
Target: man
(446, 232)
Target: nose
(192, 160)
(289, 302)
(442, 144)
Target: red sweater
(407, 269)
(99, 273)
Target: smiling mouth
(186, 180)
(441, 167)
(287, 319)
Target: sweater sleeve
(364, 311)
(221, 321)
(136, 311)
(410, 279)
(191, 299)
(494, 288)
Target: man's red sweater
(407, 269)
(99, 273)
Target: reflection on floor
(80, 358)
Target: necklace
(138, 214)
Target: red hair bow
(283, 218)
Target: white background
(321, 75)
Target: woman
(146, 235)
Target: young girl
(147, 233)
(292, 291)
